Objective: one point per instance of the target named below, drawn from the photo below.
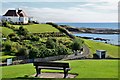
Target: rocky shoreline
(91, 30)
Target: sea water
(92, 25)
(114, 38)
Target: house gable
(16, 16)
(21, 13)
(17, 13)
(11, 13)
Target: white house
(16, 16)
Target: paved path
(54, 75)
(83, 54)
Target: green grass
(7, 56)
(6, 31)
(111, 49)
(3, 58)
(84, 69)
(39, 28)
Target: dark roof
(19, 13)
(11, 13)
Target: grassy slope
(39, 28)
(85, 69)
(111, 49)
(3, 58)
(6, 31)
(35, 28)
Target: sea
(113, 38)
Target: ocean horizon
(109, 25)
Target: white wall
(25, 20)
(8, 18)
(16, 19)
(31, 19)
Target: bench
(51, 65)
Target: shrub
(12, 27)
(35, 38)
(42, 51)
(15, 47)
(29, 37)
(48, 52)
(22, 52)
(77, 44)
(7, 46)
(53, 24)
(54, 52)
(5, 24)
(22, 31)
(61, 50)
(12, 35)
(50, 43)
(15, 39)
(33, 53)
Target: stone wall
(52, 58)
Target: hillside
(6, 31)
(41, 47)
(39, 28)
(112, 50)
(34, 38)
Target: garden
(33, 41)
(28, 43)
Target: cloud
(89, 11)
(60, 0)
(72, 14)
(101, 6)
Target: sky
(69, 11)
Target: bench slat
(55, 68)
(52, 64)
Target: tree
(35, 38)
(50, 43)
(12, 35)
(33, 53)
(22, 52)
(77, 44)
(42, 51)
(22, 31)
(15, 48)
(8, 47)
(62, 50)
(5, 23)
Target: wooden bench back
(51, 64)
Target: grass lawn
(39, 28)
(84, 69)
(111, 49)
(6, 31)
(3, 58)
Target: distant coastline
(103, 34)
(91, 30)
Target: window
(9, 19)
(26, 19)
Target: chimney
(17, 9)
